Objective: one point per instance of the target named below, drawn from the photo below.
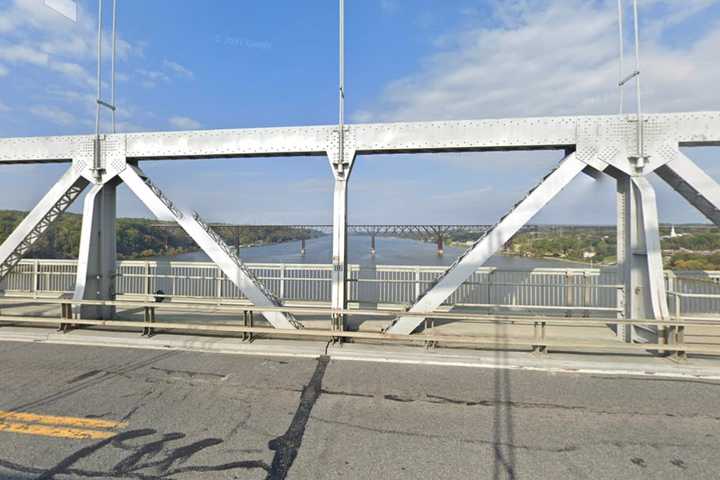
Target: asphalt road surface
(90, 412)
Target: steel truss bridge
(438, 233)
(593, 145)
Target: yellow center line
(48, 431)
(56, 420)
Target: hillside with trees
(697, 247)
(136, 237)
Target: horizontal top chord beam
(685, 129)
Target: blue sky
(187, 65)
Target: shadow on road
(503, 435)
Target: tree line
(135, 237)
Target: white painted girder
(652, 250)
(235, 272)
(97, 254)
(86, 239)
(490, 243)
(39, 219)
(40, 149)
(690, 181)
(691, 129)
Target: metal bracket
(100, 159)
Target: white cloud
(554, 57)
(178, 69)
(53, 114)
(23, 54)
(3, 71)
(550, 57)
(37, 35)
(150, 78)
(74, 71)
(184, 123)
(3, 107)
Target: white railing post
(36, 277)
(282, 281)
(491, 275)
(417, 283)
(146, 286)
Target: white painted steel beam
(639, 258)
(50, 207)
(40, 149)
(97, 258)
(339, 246)
(341, 161)
(685, 129)
(251, 142)
(650, 248)
(690, 181)
(210, 243)
(491, 242)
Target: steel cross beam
(698, 188)
(492, 241)
(544, 133)
(210, 242)
(52, 205)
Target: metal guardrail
(672, 342)
(568, 290)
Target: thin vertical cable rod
(99, 70)
(112, 64)
(341, 92)
(622, 55)
(641, 149)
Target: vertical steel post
(624, 201)
(339, 258)
(97, 258)
(639, 259)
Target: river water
(390, 251)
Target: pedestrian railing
(671, 339)
(565, 291)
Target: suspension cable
(99, 102)
(621, 44)
(641, 149)
(341, 90)
(112, 63)
(99, 70)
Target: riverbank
(389, 251)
